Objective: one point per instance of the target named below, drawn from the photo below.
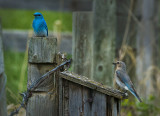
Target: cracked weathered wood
(103, 41)
(81, 43)
(3, 79)
(42, 58)
(82, 97)
(42, 50)
(81, 80)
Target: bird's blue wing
(124, 78)
(45, 26)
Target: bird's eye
(117, 62)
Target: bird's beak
(114, 63)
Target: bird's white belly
(121, 84)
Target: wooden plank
(94, 103)
(65, 98)
(103, 41)
(148, 50)
(3, 79)
(44, 99)
(60, 86)
(75, 99)
(81, 43)
(109, 105)
(42, 49)
(92, 84)
(114, 107)
(42, 104)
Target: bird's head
(38, 15)
(120, 65)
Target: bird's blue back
(124, 78)
(40, 27)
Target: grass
(22, 19)
(16, 82)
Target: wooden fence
(76, 94)
(65, 93)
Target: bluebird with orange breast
(123, 80)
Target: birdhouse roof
(84, 81)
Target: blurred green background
(16, 62)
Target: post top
(93, 85)
(42, 49)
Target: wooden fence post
(103, 41)
(148, 65)
(41, 59)
(3, 79)
(81, 45)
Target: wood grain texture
(148, 50)
(43, 104)
(103, 41)
(75, 99)
(35, 71)
(94, 102)
(44, 99)
(42, 49)
(81, 80)
(79, 100)
(81, 43)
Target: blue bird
(123, 80)
(39, 25)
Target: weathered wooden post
(41, 59)
(103, 41)
(81, 45)
(3, 79)
(81, 96)
(148, 50)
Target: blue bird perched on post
(39, 25)
(123, 80)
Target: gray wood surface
(103, 41)
(3, 79)
(81, 80)
(79, 100)
(148, 50)
(42, 49)
(35, 71)
(44, 100)
(81, 43)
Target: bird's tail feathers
(135, 94)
